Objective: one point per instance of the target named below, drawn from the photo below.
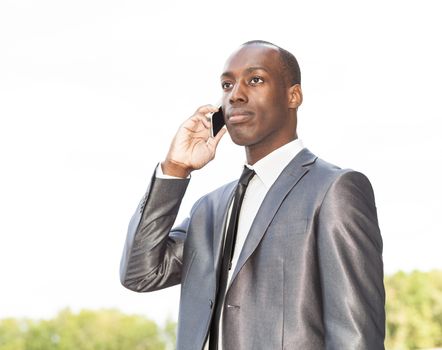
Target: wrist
(171, 168)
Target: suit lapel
(288, 179)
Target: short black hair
(290, 66)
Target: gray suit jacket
(310, 274)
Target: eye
(226, 85)
(256, 80)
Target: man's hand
(192, 147)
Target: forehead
(248, 56)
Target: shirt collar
(271, 166)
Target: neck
(256, 152)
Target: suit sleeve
(153, 252)
(351, 267)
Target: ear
(294, 96)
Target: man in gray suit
(305, 268)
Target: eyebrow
(248, 70)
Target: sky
(92, 92)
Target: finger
(220, 134)
(195, 121)
(203, 119)
(206, 109)
(203, 114)
(212, 142)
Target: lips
(238, 116)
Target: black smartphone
(217, 121)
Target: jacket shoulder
(325, 175)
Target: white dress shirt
(267, 171)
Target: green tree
(12, 334)
(87, 330)
(414, 310)
(414, 321)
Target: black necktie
(229, 246)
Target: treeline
(87, 330)
(414, 321)
(414, 310)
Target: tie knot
(246, 176)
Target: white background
(92, 91)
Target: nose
(238, 94)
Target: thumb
(212, 142)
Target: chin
(242, 136)
(241, 140)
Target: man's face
(256, 99)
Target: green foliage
(414, 310)
(87, 330)
(414, 321)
